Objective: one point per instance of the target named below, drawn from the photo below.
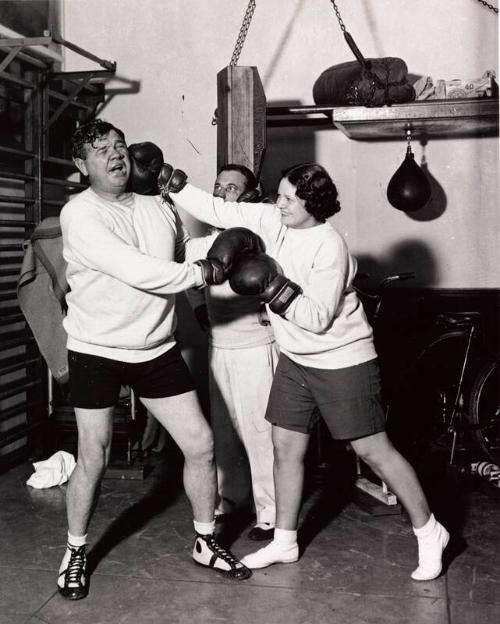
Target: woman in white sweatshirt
(328, 360)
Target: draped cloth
(41, 291)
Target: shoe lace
(220, 551)
(76, 565)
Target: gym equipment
(364, 82)
(170, 180)
(409, 189)
(233, 243)
(261, 275)
(146, 160)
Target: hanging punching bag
(409, 188)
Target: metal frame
(33, 181)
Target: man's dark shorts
(95, 381)
(348, 399)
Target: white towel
(55, 470)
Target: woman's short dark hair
(88, 133)
(251, 180)
(315, 186)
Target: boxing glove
(146, 160)
(261, 275)
(171, 180)
(212, 272)
(233, 243)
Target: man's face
(230, 185)
(106, 163)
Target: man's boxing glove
(212, 271)
(261, 275)
(146, 160)
(233, 243)
(171, 180)
(250, 196)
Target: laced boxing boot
(72, 582)
(283, 549)
(432, 540)
(208, 553)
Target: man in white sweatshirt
(127, 255)
(242, 358)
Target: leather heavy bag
(378, 82)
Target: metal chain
(337, 13)
(243, 32)
(490, 6)
(242, 35)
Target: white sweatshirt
(126, 260)
(236, 322)
(324, 327)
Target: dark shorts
(95, 382)
(348, 399)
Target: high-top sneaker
(72, 582)
(208, 553)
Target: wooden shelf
(433, 118)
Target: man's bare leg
(95, 428)
(182, 417)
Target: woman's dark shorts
(95, 382)
(348, 399)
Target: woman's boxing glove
(261, 275)
(146, 160)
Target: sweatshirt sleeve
(260, 218)
(90, 242)
(317, 307)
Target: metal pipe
(298, 110)
(111, 66)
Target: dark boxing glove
(212, 271)
(146, 160)
(261, 275)
(233, 243)
(171, 180)
(250, 196)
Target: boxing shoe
(72, 582)
(432, 540)
(275, 552)
(209, 554)
(261, 531)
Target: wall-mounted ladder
(40, 106)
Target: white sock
(432, 540)
(285, 537)
(77, 540)
(204, 528)
(428, 528)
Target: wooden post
(241, 118)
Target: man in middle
(242, 358)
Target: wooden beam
(241, 118)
